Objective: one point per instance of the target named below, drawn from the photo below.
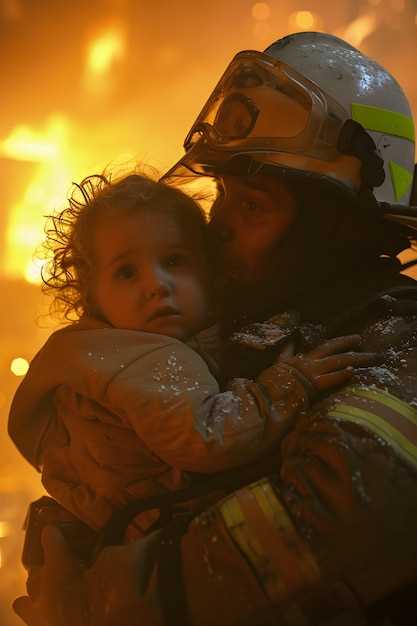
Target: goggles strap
(354, 140)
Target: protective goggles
(262, 105)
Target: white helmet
(303, 105)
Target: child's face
(150, 274)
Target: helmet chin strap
(356, 141)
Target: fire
(358, 30)
(59, 157)
(105, 51)
(25, 144)
(46, 191)
(5, 529)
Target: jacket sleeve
(334, 531)
(349, 479)
(163, 390)
(175, 406)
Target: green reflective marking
(394, 403)
(401, 179)
(379, 426)
(383, 120)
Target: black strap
(170, 573)
(113, 532)
(354, 140)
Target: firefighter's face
(249, 219)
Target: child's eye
(125, 272)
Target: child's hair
(69, 267)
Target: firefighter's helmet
(313, 105)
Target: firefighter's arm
(348, 480)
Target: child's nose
(157, 283)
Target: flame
(58, 151)
(357, 31)
(105, 51)
(5, 529)
(46, 191)
(25, 144)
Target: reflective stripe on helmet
(265, 534)
(392, 419)
(401, 179)
(383, 121)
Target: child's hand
(330, 364)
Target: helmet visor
(261, 104)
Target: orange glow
(5, 529)
(46, 190)
(304, 20)
(358, 30)
(58, 150)
(261, 11)
(105, 51)
(24, 144)
(262, 31)
(33, 272)
(398, 5)
(91, 85)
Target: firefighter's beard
(301, 274)
(244, 298)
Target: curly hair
(69, 269)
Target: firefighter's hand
(332, 363)
(106, 594)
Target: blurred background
(91, 83)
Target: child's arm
(175, 406)
(164, 391)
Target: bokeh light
(19, 366)
(261, 11)
(304, 20)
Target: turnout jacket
(332, 530)
(110, 416)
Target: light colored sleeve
(176, 407)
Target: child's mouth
(165, 311)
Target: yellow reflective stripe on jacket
(383, 120)
(265, 534)
(387, 416)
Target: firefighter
(312, 147)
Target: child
(117, 407)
